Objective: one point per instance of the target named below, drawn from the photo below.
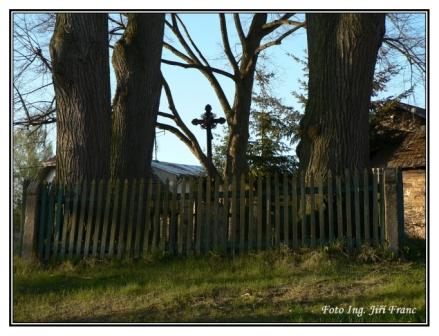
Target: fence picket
(330, 208)
(66, 220)
(234, 214)
(259, 206)
(43, 219)
(375, 205)
(81, 224)
(303, 209)
(199, 227)
(50, 210)
(156, 220)
(312, 212)
(114, 218)
(286, 222)
(321, 212)
(268, 229)
(130, 224)
(215, 215)
(165, 218)
(181, 218)
(207, 227)
(348, 208)
(148, 209)
(251, 208)
(340, 225)
(357, 209)
(90, 215)
(123, 213)
(97, 226)
(366, 206)
(225, 225)
(294, 213)
(58, 220)
(276, 211)
(242, 214)
(106, 222)
(190, 224)
(74, 220)
(140, 206)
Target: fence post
(392, 204)
(30, 221)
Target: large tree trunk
(80, 64)
(342, 51)
(136, 62)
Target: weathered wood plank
(90, 217)
(130, 223)
(106, 222)
(123, 218)
(234, 214)
(225, 227)
(357, 209)
(74, 220)
(375, 206)
(286, 223)
(330, 208)
(366, 206)
(348, 189)
(148, 224)
(215, 214)
(66, 220)
(340, 234)
(181, 218)
(58, 220)
(294, 213)
(199, 215)
(164, 230)
(50, 224)
(140, 207)
(114, 218)
(251, 209)
(190, 224)
(312, 212)
(321, 201)
(303, 210)
(206, 233)
(242, 214)
(259, 207)
(381, 223)
(276, 211)
(97, 226)
(43, 219)
(268, 229)
(81, 224)
(156, 224)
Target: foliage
(273, 128)
(270, 286)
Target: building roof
(178, 169)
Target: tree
(80, 71)
(136, 62)
(273, 127)
(243, 67)
(342, 53)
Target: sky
(191, 90)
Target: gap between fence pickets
(200, 214)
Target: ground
(276, 286)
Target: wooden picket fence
(130, 219)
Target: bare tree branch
(227, 50)
(198, 66)
(239, 29)
(279, 40)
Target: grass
(276, 286)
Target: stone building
(399, 140)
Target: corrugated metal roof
(178, 168)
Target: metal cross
(208, 122)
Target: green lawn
(262, 287)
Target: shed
(399, 141)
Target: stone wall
(414, 202)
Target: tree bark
(136, 62)
(80, 63)
(342, 51)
